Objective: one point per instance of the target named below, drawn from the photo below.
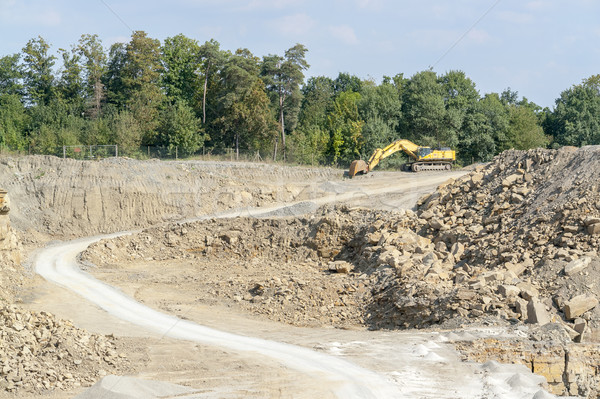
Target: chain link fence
(97, 152)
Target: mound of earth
(39, 352)
(512, 242)
(67, 198)
(286, 269)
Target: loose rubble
(39, 353)
(514, 242)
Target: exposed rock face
(37, 351)
(70, 198)
(10, 253)
(569, 369)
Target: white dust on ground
(415, 365)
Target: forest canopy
(189, 96)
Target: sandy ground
(221, 373)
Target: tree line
(190, 96)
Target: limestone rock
(593, 229)
(341, 266)
(577, 265)
(579, 305)
(537, 313)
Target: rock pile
(525, 227)
(285, 269)
(39, 352)
(514, 241)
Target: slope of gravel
(70, 198)
(513, 242)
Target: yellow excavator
(423, 158)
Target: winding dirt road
(343, 364)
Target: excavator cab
(422, 152)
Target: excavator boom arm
(407, 146)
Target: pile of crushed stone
(39, 352)
(514, 242)
(509, 242)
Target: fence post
(148, 151)
(64, 152)
(176, 147)
(116, 150)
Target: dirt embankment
(38, 352)
(512, 243)
(69, 198)
(63, 198)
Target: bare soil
(61, 199)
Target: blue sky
(538, 48)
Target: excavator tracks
(424, 166)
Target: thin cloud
(344, 33)
(298, 24)
(478, 36)
(17, 13)
(535, 5)
(518, 18)
(370, 4)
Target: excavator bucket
(357, 167)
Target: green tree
(424, 110)
(13, 122)
(212, 60)
(95, 59)
(113, 79)
(309, 142)
(317, 97)
(11, 75)
(180, 61)
(485, 130)
(180, 128)
(346, 82)
(381, 109)
(55, 125)
(345, 128)
(524, 130)
(576, 117)
(38, 75)
(283, 77)
(246, 119)
(140, 76)
(126, 132)
(460, 95)
(70, 83)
